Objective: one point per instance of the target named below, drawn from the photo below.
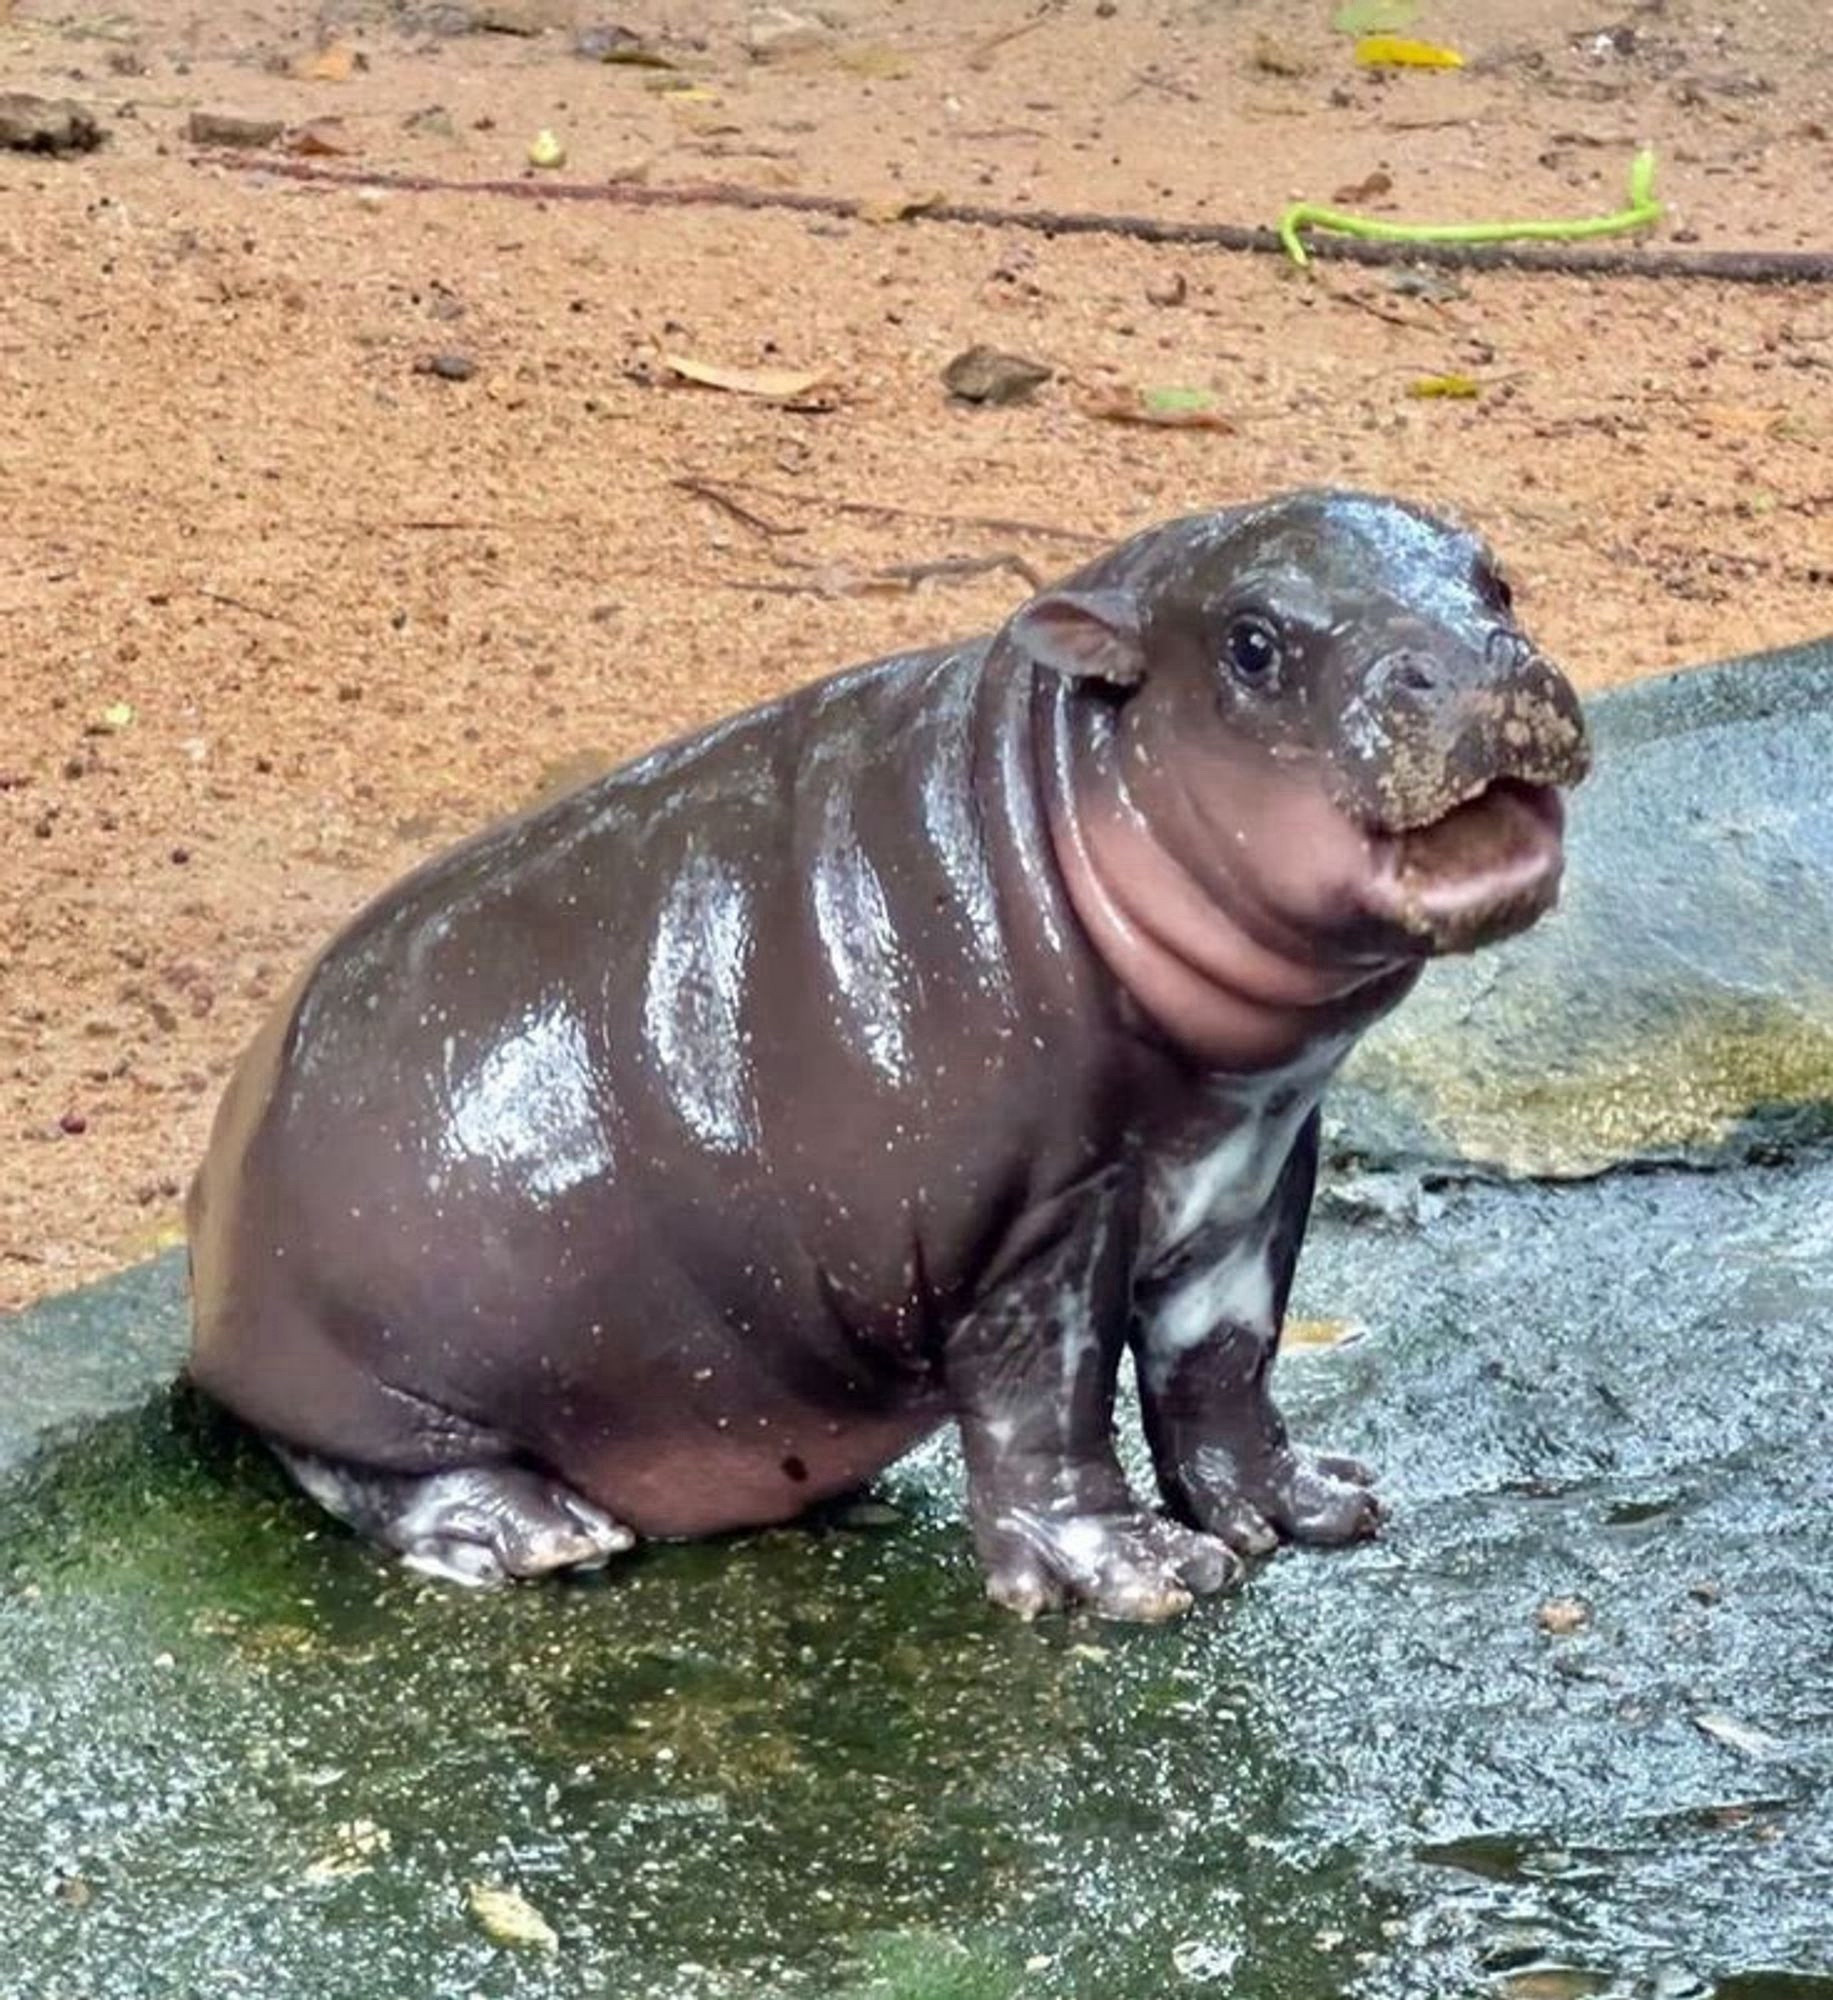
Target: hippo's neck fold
(1225, 991)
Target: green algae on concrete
(1679, 1004)
(243, 1753)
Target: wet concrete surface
(241, 1753)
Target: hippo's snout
(1428, 730)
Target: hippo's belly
(766, 1469)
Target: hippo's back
(710, 1043)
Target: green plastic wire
(1641, 210)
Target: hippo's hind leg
(477, 1525)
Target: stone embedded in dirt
(46, 125)
(1171, 291)
(988, 375)
(224, 128)
(775, 34)
(449, 366)
(612, 42)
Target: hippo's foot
(1126, 1564)
(478, 1525)
(1255, 1501)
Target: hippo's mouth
(1484, 871)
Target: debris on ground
(227, 128)
(55, 125)
(981, 374)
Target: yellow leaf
(118, 715)
(546, 150)
(507, 1917)
(779, 385)
(1459, 387)
(1401, 52)
(1312, 1335)
(334, 63)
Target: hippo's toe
(477, 1525)
(1133, 1566)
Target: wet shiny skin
(703, 1139)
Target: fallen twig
(981, 55)
(239, 604)
(1748, 267)
(705, 489)
(837, 580)
(881, 510)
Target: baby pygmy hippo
(678, 1154)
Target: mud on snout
(1457, 781)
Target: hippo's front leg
(1206, 1331)
(1030, 1375)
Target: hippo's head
(1325, 716)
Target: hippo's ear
(1086, 634)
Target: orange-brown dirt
(281, 612)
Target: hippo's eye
(1252, 650)
(1497, 590)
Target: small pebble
(74, 1123)
(448, 366)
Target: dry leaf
(702, 121)
(1736, 1735)
(1456, 387)
(506, 1917)
(1168, 409)
(334, 63)
(319, 137)
(355, 1846)
(546, 150)
(777, 385)
(1562, 1616)
(899, 207)
(1377, 183)
(1398, 52)
(1316, 1335)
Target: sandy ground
(282, 611)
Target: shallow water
(817, 1762)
